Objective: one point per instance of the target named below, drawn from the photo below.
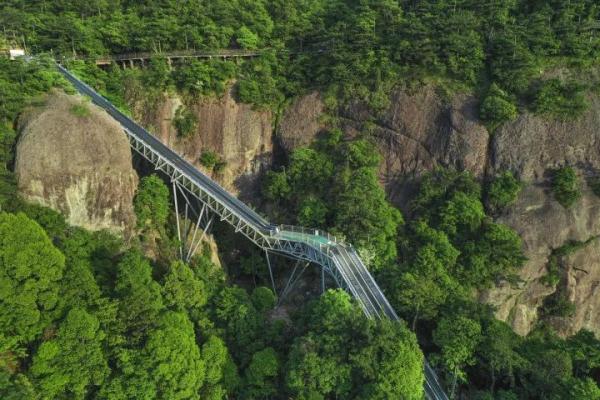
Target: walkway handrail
(340, 260)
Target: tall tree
(72, 364)
(30, 272)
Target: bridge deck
(339, 259)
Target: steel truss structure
(337, 259)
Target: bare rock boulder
(72, 157)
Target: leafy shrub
(246, 38)
(561, 100)
(203, 78)
(185, 122)
(565, 186)
(558, 304)
(80, 110)
(497, 107)
(503, 191)
(212, 161)
(151, 202)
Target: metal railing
(314, 245)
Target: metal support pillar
(322, 280)
(271, 272)
(185, 231)
(291, 282)
(204, 231)
(177, 218)
(189, 253)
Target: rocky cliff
(420, 130)
(423, 129)
(239, 134)
(531, 146)
(72, 157)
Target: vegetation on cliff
(349, 49)
(105, 322)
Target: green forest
(84, 315)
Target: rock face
(582, 286)
(240, 135)
(422, 130)
(301, 122)
(531, 147)
(72, 157)
(544, 225)
(419, 131)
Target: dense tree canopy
(84, 315)
(344, 355)
(30, 272)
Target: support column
(201, 237)
(189, 253)
(270, 272)
(322, 280)
(177, 218)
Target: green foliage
(151, 203)
(182, 291)
(203, 78)
(565, 186)
(451, 202)
(558, 304)
(158, 74)
(168, 366)
(457, 338)
(140, 296)
(246, 39)
(217, 360)
(243, 324)
(334, 184)
(344, 355)
(585, 389)
(263, 299)
(185, 122)
(258, 84)
(564, 101)
(80, 110)
(497, 108)
(423, 282)
(261, 374)
(499, 352)
(503, 191)
(30, 272)
(72, 363)
(356, 50)
(212, 160)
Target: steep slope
(74, 158)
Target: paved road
(356, 276)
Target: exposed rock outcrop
(582, 288)
(531, 145)
(419, 131)
(301, 122)
(544, 225)
(72, 157)
(239, 134)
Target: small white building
(16, 53)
